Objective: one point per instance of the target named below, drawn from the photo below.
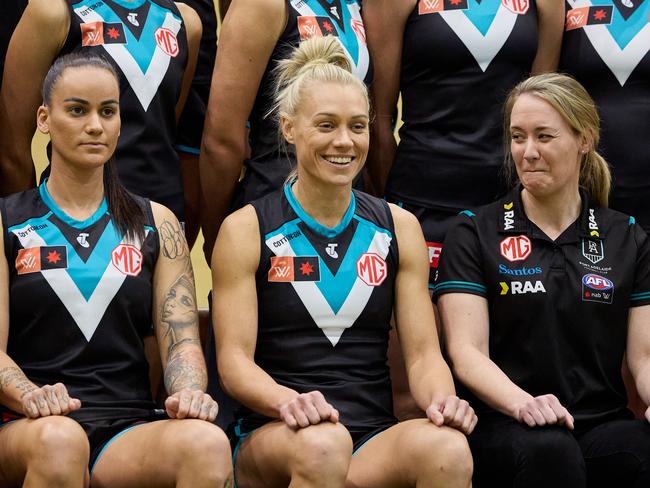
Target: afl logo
(372, 269)
(596, 282)
(167, 41)
(127, 259)
(516, 248)
(516, 6)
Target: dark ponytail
(127, 213)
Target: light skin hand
(49, 400)
(544, 410)
(308, 409)
(191, 404)
(454, 412)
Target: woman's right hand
(543, 410)
(308, 409)
(49, 400)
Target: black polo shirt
(557, 309)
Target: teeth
(340, 160)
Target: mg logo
(372, 269)
(516, 248)
(516, 6)
(127, 259)
(167, 41)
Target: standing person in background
(453, 63)
(190, 124)
(605, 47)
(10, 13)
(255, 35)
(86, 269)
(541, 294)
(305, 282)
(153, 46)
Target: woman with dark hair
(540, 295)
(152, 45)
(305, 281)
(88, 267)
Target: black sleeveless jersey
(269, 165)
(145, 40)
(10, 13)
(605, 46)
(325, 297)
(459, 60)
(80, 303)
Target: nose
(94, 123)
(343, 139)
(530, 151)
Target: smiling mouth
(340, 160)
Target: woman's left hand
(191, 404)
(454, 412)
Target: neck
(552, 214)
(78, 194)
(326, 205)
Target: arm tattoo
(12, 376)
(172, 240)
(183, 371)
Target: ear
(586, 143)
(286, 124)
(43, 119)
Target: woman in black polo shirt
(541, 294)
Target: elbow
(223, 153)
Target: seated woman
(305, 281)
(87, 268)
(541, 294)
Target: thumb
(74, 404)
(171, 405)
(434, 414)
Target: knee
(444, 451)
(549, 447)
(60, 448)
(205, 449)
(323, 449)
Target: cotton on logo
(516, 6)
(127, 259)
(577, 18)
(516, 248)
(371, 269)
(167, 41)
(430, 6)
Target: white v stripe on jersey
(620, 61)
(483, 48)
(144, 85)
(86, 314)
(333, 324)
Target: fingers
(49, 400)
(545, 410)
(192, 404)
(647, 414)
(454, 412)
(308, 409)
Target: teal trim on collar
(187, 149)
(77, 224)
(311, 223)
(632, 221)
(130, 5)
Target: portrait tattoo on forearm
(172, 240)
(11, 376)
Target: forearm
(185, 368)
(487, 381)
(14, 385)
(250, 385)
(429, 380)
(642, 381)
(382, 153)
(16, 169)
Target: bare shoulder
(52, 15)
(405, 221)
(190, 18)
(238, 240)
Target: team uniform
(558, 313)
(270, 163)
(190, 124)
(326, 295)
(145, 41)
(80, 299)
(450, 149)
(605, 46)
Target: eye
(326, 125)
(186, 301)
(517, 137)
(545, 137)
(359, 126)
(108, 111)
(76, 110)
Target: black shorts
(435, 223)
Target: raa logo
(522, 287)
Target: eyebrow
(85, 102)
(328, 114)
(541, 127)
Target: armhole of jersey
(391, 223)
(151, 222)
(5, 231)
(258, 212)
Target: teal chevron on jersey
(482, 14)
(347, 36)
(624, 31)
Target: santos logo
(520, 271)
(521, 287)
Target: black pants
(508, 453)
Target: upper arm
(246, 40)
(384, 21)
(551, 28)
(235, 260)
(4, 293)
(638, 338)
(29, 56)
(193, 31)
(174, 302)
(413, 309)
